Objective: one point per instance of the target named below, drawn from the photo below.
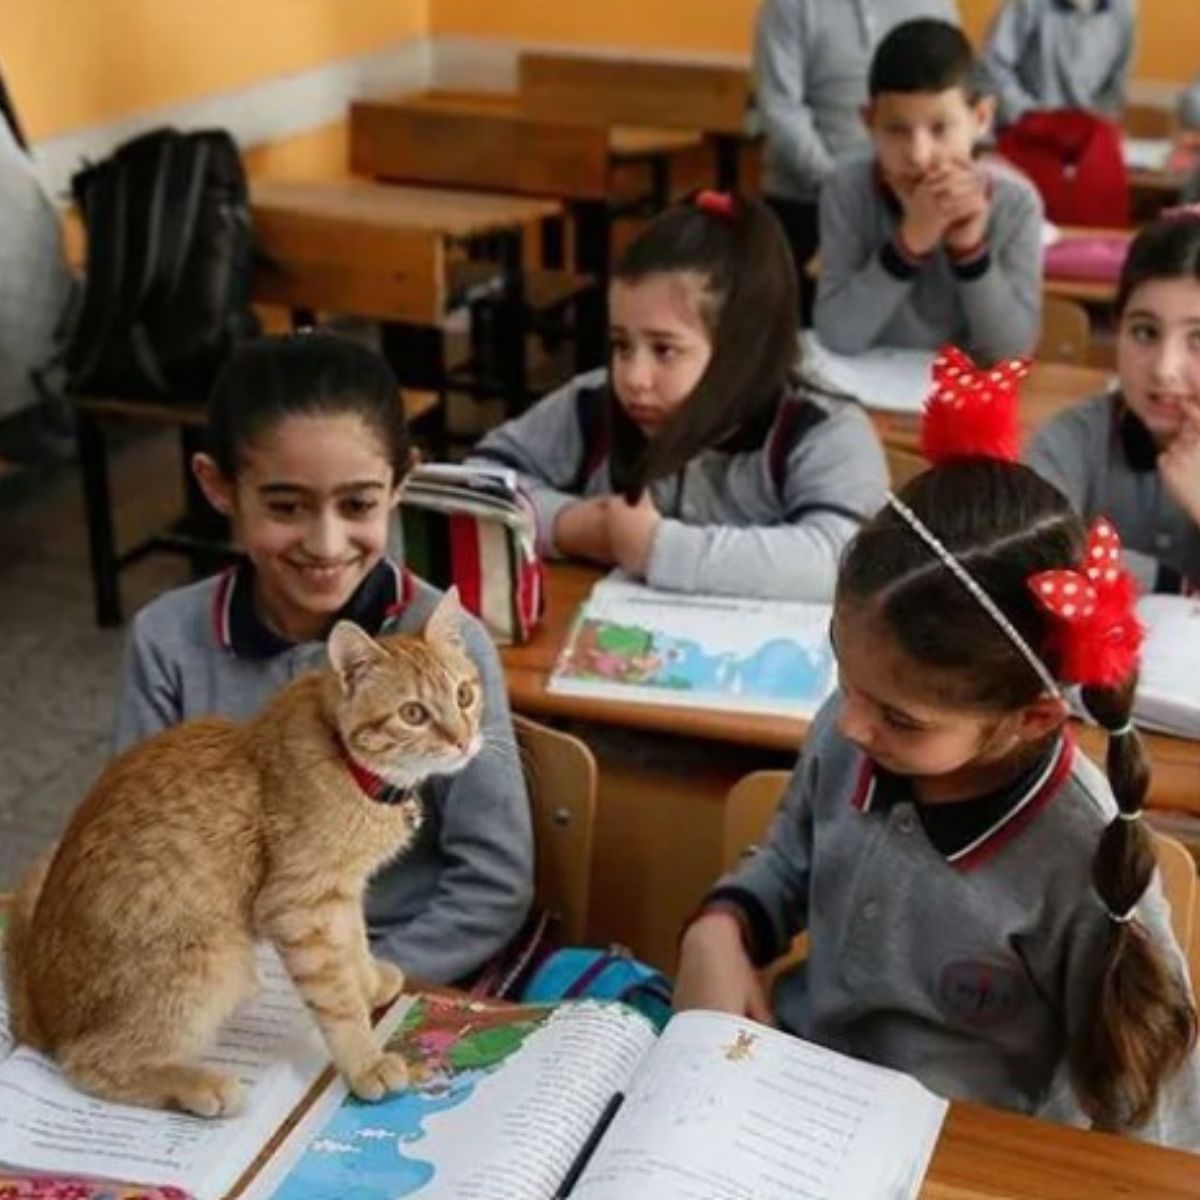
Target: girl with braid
(982, 903)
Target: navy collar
(1067, 6)
(384, 593)
(1137, 442)
(968, 832)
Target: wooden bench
(711, 98)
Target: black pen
(589, 1147)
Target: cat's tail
(16, 954)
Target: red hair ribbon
(1099, 636)
(717, 204)
(971, 411)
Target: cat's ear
(445, 622)
(352, 654)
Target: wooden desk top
(443, 212)
(1175, 781)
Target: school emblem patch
(982, 993)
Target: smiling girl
(1135, 453)
(307, 449)
(693, 460)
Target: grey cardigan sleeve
(545, 447)
(780, 41)
(1003, 303)
(148, 694)
(1110, 99)
(1006, 43)
(836, 478)
(486, 844)
(856, 295)
(1188, 105)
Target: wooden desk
(606, 90)
(1097, 293)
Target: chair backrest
(1182, 888)
(561, 775)
(1066, 332)
(749, 806)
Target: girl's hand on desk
(1179, 465)
(631, 530)
(581, 530)
(716, 973)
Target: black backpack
(169, 262)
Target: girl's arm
(545, 447)
(1001, 289)
(836, 478)
(148, 695)
(486, 842)
(862, 285)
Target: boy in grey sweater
(920, 245)
(1048, 54)
(810, 76)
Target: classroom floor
(58, 671)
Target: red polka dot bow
(971, 411)
(1098, 635)
(717, 204)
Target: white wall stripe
(263, 112)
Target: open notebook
(1168, 694)
(885, 378)
(538, 1102)
(273, 1045)
(638, 645)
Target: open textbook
(886, 378)
(272, 1044)
(538, 1102)
(635, 644)
(1168, 694)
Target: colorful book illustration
(73, 1187)
(273, 1045)
(634, 644)
(533, 1103)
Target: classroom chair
(1066, 332)
(560, 772)
(1182, 888)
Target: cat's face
(410, 706)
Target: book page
(271, 1043)
(1168, 692)
(724, 1109)
(501, 1101)
(634, 644)
(885, 378)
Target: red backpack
(1075, 160)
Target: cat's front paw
(388, 982)
(207, 1093)
(387, 1073)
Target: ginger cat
(134, 940)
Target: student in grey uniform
(810, 80)
(307, 449)
(1061, 54)
(921, 245)
(1134, 453)
(982, 904)
(693, 461)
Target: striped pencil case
(471, 527)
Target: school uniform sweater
(959, 943)
(1054, 54)
(460, 892)
(1187, 107)
(1104, 460)
(811, 60)
(768, 520)
(873, 292)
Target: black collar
(1137, 442)
(239, 629)
(1067, 6)
(373, 786)
(969, 831)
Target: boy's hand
(716, 973)
(631, 530)
(1179, 464)
(581, 531)
(924, 222)
(962, 194)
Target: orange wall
(1169, 46)
(75, 63)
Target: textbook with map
(538, 1102)
(47, 1126)
(638, 645)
